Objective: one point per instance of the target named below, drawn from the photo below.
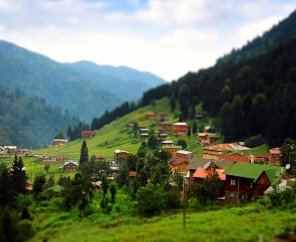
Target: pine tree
(83, 153)
(19, 176)
(7, 192)
(194, 128)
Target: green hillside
(117, 136)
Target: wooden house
(164, 127)
(179, 128)
(150, 115)
(179, 165)
(207, 138)
(132, 175)
(274, 156)
(120, 153)
(59, 142)
(260, 158)
(214, 151)
(167, 143)
(162, 115)
(202, 172)
(235, 157)
(244, 181)
(172, 149)
(70, 165)
(100, 158)
(184, 154)
(197, 117)
(201, 162)
(86, 134)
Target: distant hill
(28, 122)
(279, 33)
(124, 82)
(77, 88)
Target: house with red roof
(202, 172)
(214, 151)
(150, 115)
(86, 134)
(179, 128)
(274, 156)
(235, 157)
(179, 165)
(100, 158)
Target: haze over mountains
(83, 88)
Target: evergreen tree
(194, 128)
(189, 132)
(113, 192)
(19, 176)
(60, 134)
(83, 153)
(7, 190)
(105, 184)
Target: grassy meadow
(246, 223)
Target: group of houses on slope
(244, 178)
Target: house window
(250, 184)
(231, 194)
(242, 196)
(232, 182)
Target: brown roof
(236, 157)
(222, 147)
(179, 161)
(197, 162)
(132, 173)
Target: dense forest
(28, 122)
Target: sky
(165, 37)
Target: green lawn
(228, 224)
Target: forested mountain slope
(254, 96)
(63, 85)
(28, 122)
(284, 30)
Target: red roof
(176, 162)
(202, 173)
(100, 157)
(275, 151)
(132, 173)
(238, 158)
(261, 156)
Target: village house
(172, 149)
(201, 162)
(70, 165)
(59, 142)
(162, 137)
(259, 158)
(235, 157)
(86, 134)
(179, 165)
(214, 151)
(164, 127)
(130, 126)
(162, 115)
(274, 156)
(120, 153)
(245, 181)
(167, 143)
(132, 175)
(202, 172)
(207, 138)
(179, 128)
(100, 158)
(184, 154)
(197, 117)
(150, 115)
